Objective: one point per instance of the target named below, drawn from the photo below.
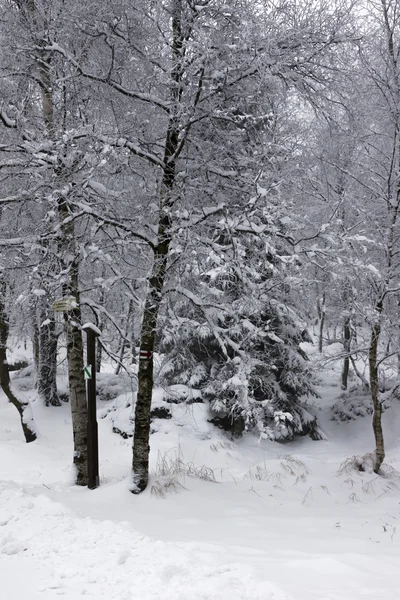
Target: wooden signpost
(65, 305)
(90, 375)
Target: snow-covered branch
(6, 120)
(105, 80)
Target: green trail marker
(87, 371)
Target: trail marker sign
(64, 304)
(87, 371)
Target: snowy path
(76, 557)
(46, 550)
(276, 527)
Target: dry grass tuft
(171, 469)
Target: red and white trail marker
(145, 354)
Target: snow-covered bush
(110, 386)
(24, 379)
(354, 403)
(121, 413)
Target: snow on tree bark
(69, 259)
(73, 318)
(141, 448)
(47, 357)
(374, 386)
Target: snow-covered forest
(210, 192)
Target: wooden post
(92, 439)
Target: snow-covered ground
(280, 522)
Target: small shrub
(24, 379)
(353, 404)
(160, 412)
(63, 396)
(235, 425)
(111, 386)
(18, 365)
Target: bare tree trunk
(346, 347)
(124, 343)
(100, 326)
(99, 354)
(76, 380)
(374, 386)
(359, 374)
(24, 408)
(68, 253)
(77, 393)
(321, 316)
(47, 371)
(35, 340)
(141, 447)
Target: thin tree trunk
(99, 354)
(359, 375)
(124, 343)
(321, 315)
(77, 393)
(374, 386)
(141, 447)
(76, 381)
(35, 341)
(47, 372)
(100, 325)
(346, 347)
(68, 253)
(24, 408)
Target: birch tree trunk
(321, 316)
(73, 318)
(35, 341)
(141, 447)
(346, 347)
(99, 354)
(124, 343)
(47, 363)
(374, 386)
(69, 258)
(24, 408)
(77, 393)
